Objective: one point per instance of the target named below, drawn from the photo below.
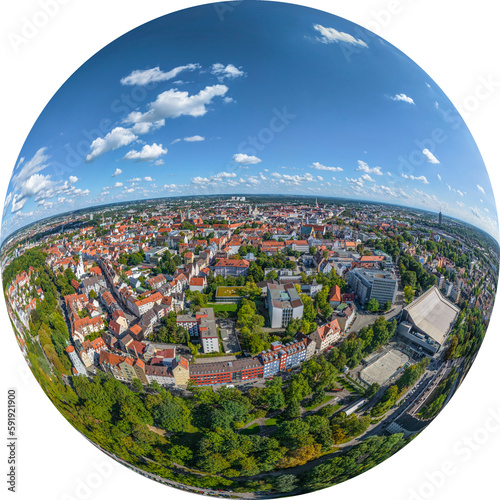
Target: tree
(294, 433)
(300, 456)
(172, 415)
(387, 305)
(310, 311)
(373, 305)
(292, 410)
(194, 348)
(312, 250)
(273, 275)
(138, 385)
(318, 397)
(285, 483)
(409, 278)
(450, 352)
(409, 294)
(372, 390)
(93, 295)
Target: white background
(455, 42)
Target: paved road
(365, 318)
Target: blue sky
(261, 98)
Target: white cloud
(318, 166)
(244, 159)
(159, 162)
(403, 97)
(117, 138)
(357, 182)
(480, 188)
(229, 71)
(367, 178)
(460, 192)
(475, 211)
(293, 180)
(439, 177)
(118, 171)
(118, 184)
(331, 35)
(25, 170)
(148, 179)
(421, 178)
(194, 138)
(146, 127)
(200, 180)
(213, 179)
(143, 77)
(174, 103)
(224, 175)
(28, 183)
(148, 153)
(430, 157)
(363, 167)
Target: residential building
(335, 297)
(204, 326)
(226, 372)
(231, 267)
(283, 357)
(327, 335)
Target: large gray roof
(432, 314)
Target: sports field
(384, 368)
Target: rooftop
(432, 314)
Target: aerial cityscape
(232, 316)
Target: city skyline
(290, 107)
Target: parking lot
(229, 336)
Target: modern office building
(283, 302)
(370, 284)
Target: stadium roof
(432, 314)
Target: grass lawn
(224, 307)
(271, 421)
(353, 382)
(251, 429)
(346, 384)
(327, 398)
(336, 408)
